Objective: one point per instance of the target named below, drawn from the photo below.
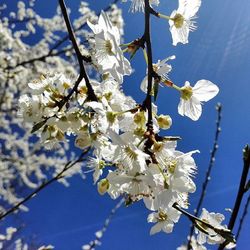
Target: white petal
(192, 7)
(155, 229)
(152, 218)
(205, 90)
(144, 84)
(168, 228)
(191, 108)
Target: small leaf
(156, 88)
(38, 125)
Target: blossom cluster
(128, 159)
(128, 156)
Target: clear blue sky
(219, 51)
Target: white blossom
(182, 20)
(108, 54)
(192, 97)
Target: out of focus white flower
(181, 21)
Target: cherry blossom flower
(194, 244)
(108, 54)
(211, 237)
(181, 21)
(162, 69)
(192, 97)
(166, 215)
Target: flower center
(130, 153)
(108, 47)
(172, 166)
(111, 116)
(186, 93)
(162, 216)
(178, 20)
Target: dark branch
(83, 74)
(44, 185)
(243, 217)
(146, 36)
(40, 58)
(241, 191)
(147, 104)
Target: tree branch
(40, 58)
(83, 74)
(147, 104)
(99, 234)
(243, 217)
(241, 191)
(45, 184)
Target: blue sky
(219, 50)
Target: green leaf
(156, 88)
(38, 125)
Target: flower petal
(205, 90)
(191, 108)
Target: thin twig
(15, 21)
(40, 58)
(99, 234)
(45, 184)
(241, 191)
(209, 169)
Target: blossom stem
(164, 16)
(162, 173)
(176, 87)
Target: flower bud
(83, 140)
(140, 119)
(103, 186)
(164, 121)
